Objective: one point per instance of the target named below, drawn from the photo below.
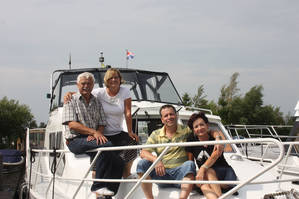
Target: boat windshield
(144, 85)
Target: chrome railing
(238, 184)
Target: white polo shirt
(114, 108)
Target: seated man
(174, 164)
(84, 117)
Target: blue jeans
(108, 165)
(177, 173)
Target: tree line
(14, 119)
(234, 108)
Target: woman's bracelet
(205, 166)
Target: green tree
(186, 100)
(229, 100)
(14, 119)
(213, 107)
(252, 102)
(235, 109)
(42, 125)
(270, 115)
(289, 119)
(228, 93)
(199, 100)
(256, 112)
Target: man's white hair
(86, 75)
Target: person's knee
(204, 187)
(143, 166)
(189, 167)
(190, 176)
(108, 144)
(211, 171)
(93, 144)
(76, 150)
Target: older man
(84, 117)
(174, 164)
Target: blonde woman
(116, 102)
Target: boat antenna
(101, 60)
(70, 61)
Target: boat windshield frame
(144, 85)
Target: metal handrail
(168, 145)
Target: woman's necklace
(112, 96)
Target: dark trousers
(123, 139)
(108, 165)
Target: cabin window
(37, 138)
(157, 88)
(55, 102)
(144, 127)
(56, 141)
(142, 131)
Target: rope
(292, 192)
(53, 169)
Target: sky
(197, 42)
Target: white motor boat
(53, 172)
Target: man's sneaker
(104, 192)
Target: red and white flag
(130, 55)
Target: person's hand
(200, 174)
(67, 97)
(160, 169)
(90, 138)
(219, 148)
(100, 137)
(134, 136)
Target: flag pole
(70, 61)
(127, 58)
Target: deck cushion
(11, 155)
